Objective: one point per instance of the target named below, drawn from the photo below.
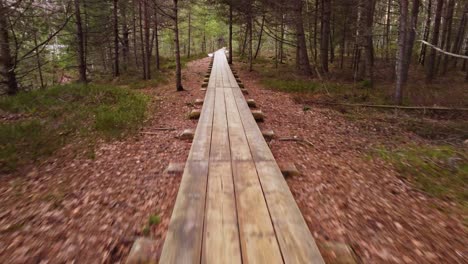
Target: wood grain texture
(295, 240)
(257, 236)
(234, 205)
(184, 236)
(221, 234)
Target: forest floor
(70, 207)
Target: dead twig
(296, 139)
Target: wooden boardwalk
(234, 205)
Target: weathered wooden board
(234, 205)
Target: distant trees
(108, 39)
(7, 67)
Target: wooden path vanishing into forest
(233, 204)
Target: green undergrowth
(286, 79)
(440, 171)
(133, 78)
(48, 119)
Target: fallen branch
(443, 51)
(296, 139)
(436, 108)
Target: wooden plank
(200, 149)
(184, 237)
(221, 235)
(258, 146)
(240, 149)
(295, 240)
(220, 141)
(257, 236)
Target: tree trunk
(411, 35)
(400, 61)
(281, 46)
(343, 40)
(7, 67)
(230, 35)
(38, 61)
(147, 39)
(116, 39)
(315, 30)
(387, 30)
(135, 48)
(179, 86)
(156, 38)
(125, 36)
(427, 30)
(447, 34)
(457, 44)
(302, 59)
(250, 27)
(142, 42)
(363, 68)
(259, 44)
(81, 47)
(325, 38)
(244, 45)
(189, 32)
(435, 41)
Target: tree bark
(427, 30)
(147, 39)
(447, 34)
(156, 38)
(189, 32)
(457, 44)
(179, 86)
(125, 36)
(116, 39)
(38, 62)
(250, 27)
(142, 42)
(363, 68)
(387, 30)
(411, 35)
(230, 34)
(435, 41)
(325, 38)
(302, 59)
(81, 47)
(259, 44)
(400, 61)
(7, 67)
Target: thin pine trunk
(230, 34)
(302, 59)
(38, 61)
(259, 44)
(457, 44)
(448, 34)
(325, 37)
(400, 61)
(81, 45)
(427, 30)
(411, 35)
(435, 41)
(142, 42)
(116, 40)
(179, 86)
(156, 39)
(147, 40)
(189, 32)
